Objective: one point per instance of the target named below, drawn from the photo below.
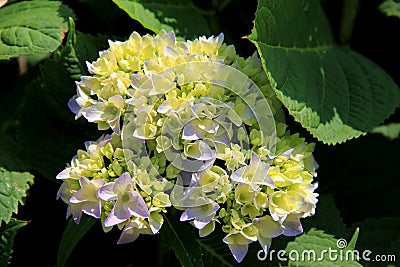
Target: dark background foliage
(358, 180)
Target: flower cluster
(97, 183)
(194, 126)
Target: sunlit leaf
(312, 248)
(180, 16)
(13, 189)
(32, 27)
(334, 92)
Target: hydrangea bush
(200, 151)
(196, 127)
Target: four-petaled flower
(87, 196)
(128, 201)
(201, 213)
(254, 174)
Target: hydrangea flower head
(194, 126)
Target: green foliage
(7, 234)
(68, 54)
(32, 27)
(78, 49)
(382, 236)
(87, 47)
(180, 16)
(192, 250)
(215, 252)
(181, 240)
(391, 131)
(363, 177)
(391, 8)
(334, 92)
(11, 155)
(41, 115)
(326, 218)
(42, 112)
(316, 241)
(13, 187)
(71, 236)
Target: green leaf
(379, 235)
(7, 234)
(354, 171)
(32, 27)
(78, 49)
(216, 252)
(45, 129)
(68, 54)
(313, 247)
(180, 16)
(71, 236)
(353, 240)
(334, 92)
(391, 8)
(36, 119)
(391, 131)
(11, 156)
(181, 239)
(326, 218)
(13, 188)
(87, 47)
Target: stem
(349, 14)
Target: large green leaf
(13, 187)
(334, 92)
(180, 16)
(71, 236)
(182, 241)
(311, 249)
(7, 234)
(32, 27)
